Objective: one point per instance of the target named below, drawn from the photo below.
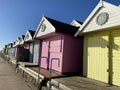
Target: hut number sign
(43, 27)
(102, 18)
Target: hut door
(56, 45)
(36, 52)
(45, 54)
(97, 60)
(31, 53)
(115, 64)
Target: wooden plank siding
(114, 14)
(97, 58)
(102, 56)
(115, 57)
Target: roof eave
(98, 7)
(38, 27)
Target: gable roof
(32, 32)
(17, 41)
(22, 36)
(10, 45)
(14, 44)
(58, 26)
(5, 46)
(22, 39)
(29, 35)
(101, 7)
(62, 27)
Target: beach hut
(8, 49)
(60, 49)
(17, 43)
(29, 40)
(14, 48)
(5, 49)
(101, 32)
(11, 49)
(22, 50)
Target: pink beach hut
(61, 51)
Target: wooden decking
(45, 72)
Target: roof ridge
(50, 20)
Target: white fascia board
(100, 5)
(74, 21)
(25, 36)
(38, 27)
(30, 36)
(43, 19)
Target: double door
(102, 57)
(51, 54)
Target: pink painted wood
(64, 52)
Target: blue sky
(18, 16)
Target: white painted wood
(114, 18)
(31, 53)
(90, 23)
(21, 41)
(36, 52)
(17, 41)
(28, 36)
(89, 18)
(31, 72)
(49, 28)
(35, 73)
(75, 23)
(14, 44)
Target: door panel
(44, 54)
(116, 59)
(36, 52)
(31, 53)
(98, 58)
(56, 46)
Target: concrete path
(9, 79)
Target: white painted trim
(78, 24)
(100, 5)
(30, 38)
(40, 24)
(89, 17)
(38, 27)
(30, 72)
(35, 73)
